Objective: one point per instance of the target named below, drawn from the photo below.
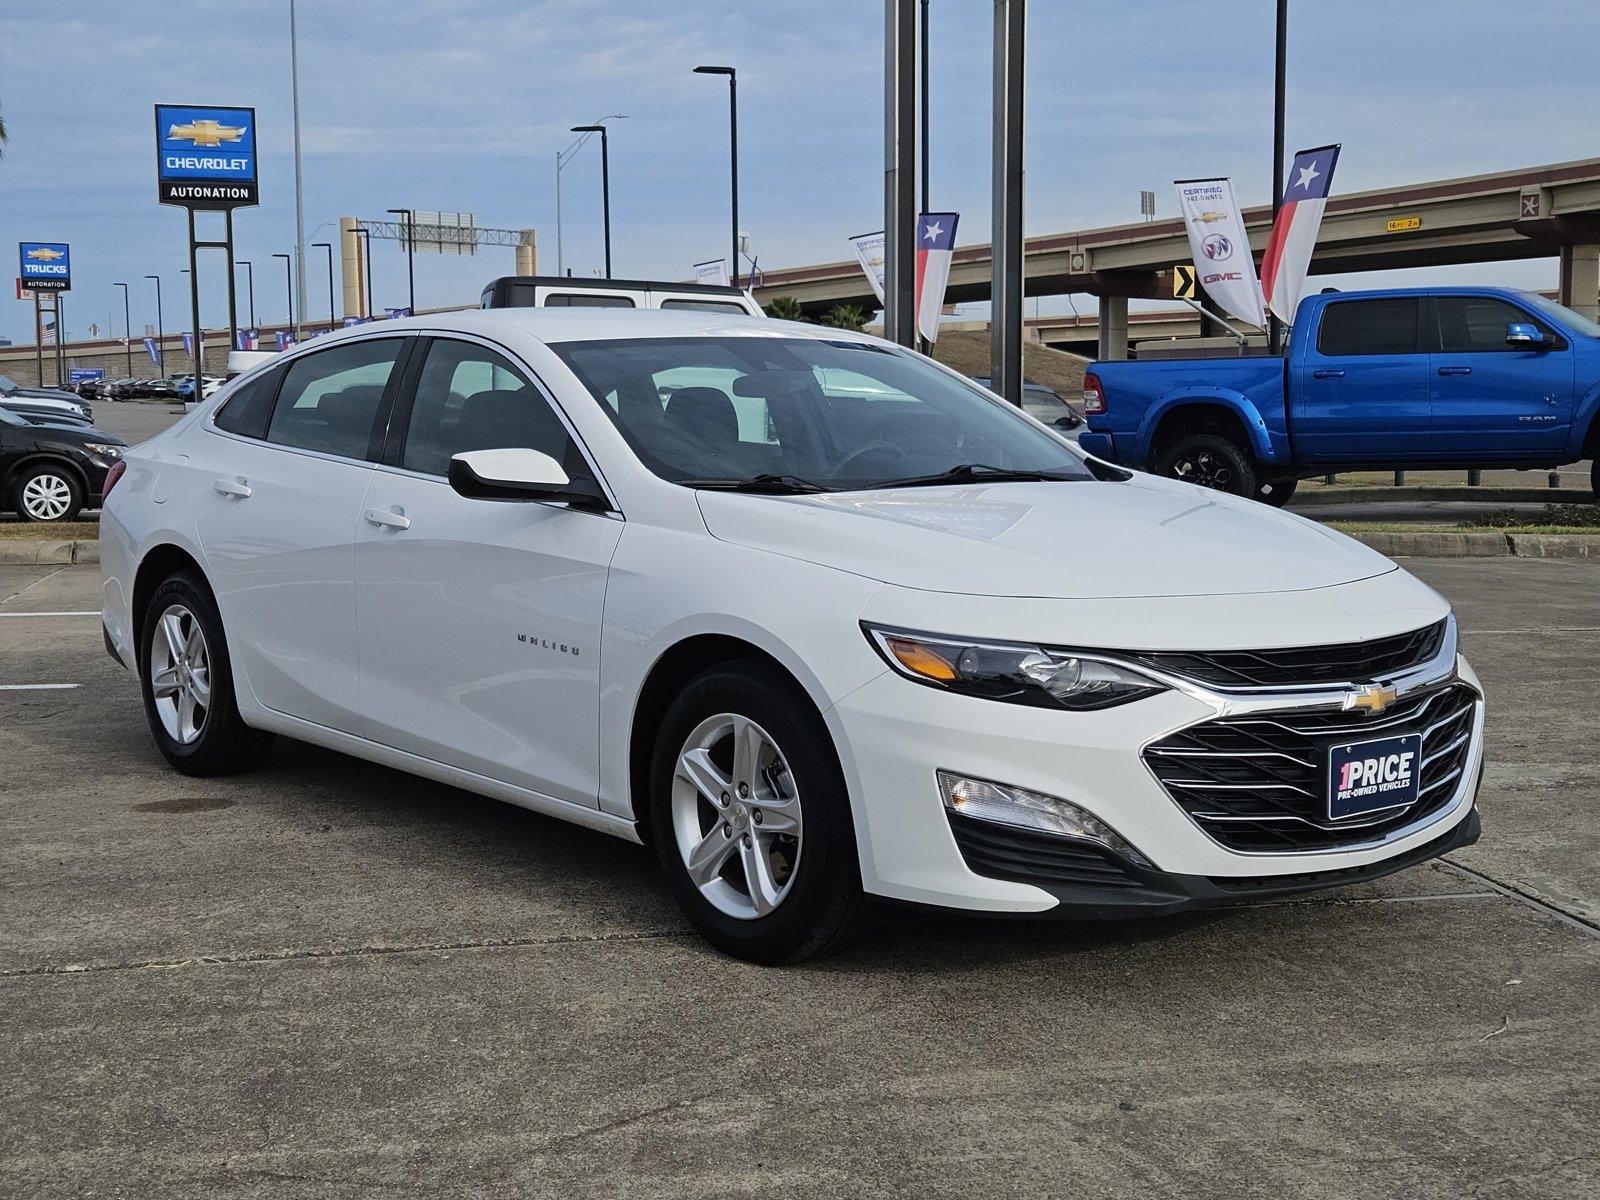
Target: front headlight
(103, 450)
(1018, 673)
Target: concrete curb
(1313, 497)
(41, 552)
(1454, 543)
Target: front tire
(46, 493)
(1211, 461)
(751, 818)
(187, 682)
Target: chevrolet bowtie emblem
(45, 254)
(1371, 697)
(1212, 215)
(207, 134)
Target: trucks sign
(206, 156)
(45, 266)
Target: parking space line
(85, 613)
(1581, 924)
(34, 584)
(37, 687)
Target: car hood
(1091, 540)
(42, 394)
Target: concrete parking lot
(331, 979)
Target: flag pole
(1279, 82)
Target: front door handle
(1327, 373)
(387, 518)
(236, 488)
(1455, 370)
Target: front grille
(1006, 852)
(1259, 783)
(1353, 662)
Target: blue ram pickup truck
(1417, 378)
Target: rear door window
(330, 400)
(1362, 327)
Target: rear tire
(1209, 460)
(186, 678)
(1276, 492)
(777, 808)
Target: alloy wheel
(46, 497)
(1206, 469)
(180, 674)
(736, 816)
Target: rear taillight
(112, 475)
(1094, 400)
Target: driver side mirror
(521, 475)
(1524, 336)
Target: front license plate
(1366, 777)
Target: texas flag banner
(249, 339)
(936, 244)
(1294, 233)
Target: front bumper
(895, 735)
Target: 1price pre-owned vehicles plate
(820, 620)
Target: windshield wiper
(970, 473)
(776, 485)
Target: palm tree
(786, 308)
(846, 316)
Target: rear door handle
(386, 518)
(1327, 373)
(237, 488)
(1455, 370)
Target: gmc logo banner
(206, 156)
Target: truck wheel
(1211, 461)
(1275, 492)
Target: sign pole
(194, 306)
(61, 346)
(233, 300)
(38, 339)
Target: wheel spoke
(764, 890)
(747, 746)
(779, 814)
(164, 682)
(195, 644)
(172, 631)
(696, 766)
(707, 858)
(185, 715)
(200, 686)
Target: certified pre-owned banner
(869, 252)
(1221, 248)
(206, 156)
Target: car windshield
(1574, 321)
(835, 415)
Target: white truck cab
(565, 291)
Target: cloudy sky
(463, 105)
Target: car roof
(555, 325)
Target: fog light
(1003, 804)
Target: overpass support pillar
(528, 254)
(1580, 279)
(1113, 328)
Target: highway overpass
(1551, 211)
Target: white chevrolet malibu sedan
(818, 619)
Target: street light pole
(299, 195)
(733, 159)
(328, 246)
(161, 332)
(411, 252)
(250, 282)
(563, 157)
(127, 327)
(1279, 87)
(605, 183)
(366, 247)
(288, 288)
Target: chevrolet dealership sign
(44, 266)
(206, 157)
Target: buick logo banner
(1221, 248)
(206, 156)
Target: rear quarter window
(248, 410)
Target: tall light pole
(366, 247)
(127, 327)
(299, 193)
(161, 333)
(328, 246)
(250, 280)
(411, 252)
(733, 157)
(605, 183)
(288, 289)
(563, 157)
(1279, 86)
